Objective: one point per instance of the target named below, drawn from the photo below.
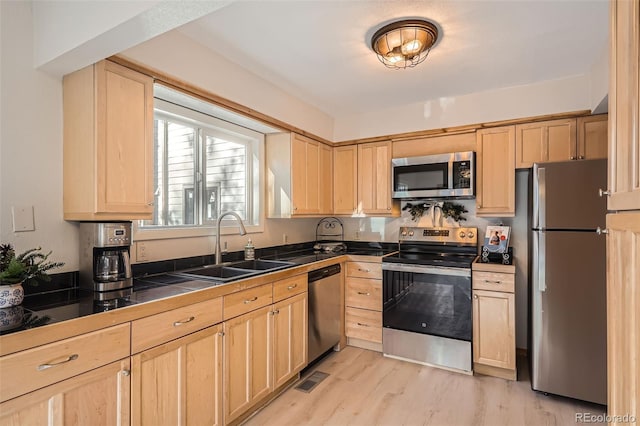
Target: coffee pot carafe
(104, 256)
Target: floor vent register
(308, 384)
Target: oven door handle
(423, 269)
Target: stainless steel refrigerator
(568, 322)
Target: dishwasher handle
(322, 273)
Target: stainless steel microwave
(434, 176)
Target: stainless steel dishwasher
(324, 310)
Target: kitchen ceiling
(320, 51)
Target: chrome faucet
(242, 232)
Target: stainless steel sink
(234, 271)
(261, 265)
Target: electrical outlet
(357, 235)
(285, 238)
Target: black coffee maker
(104, 256)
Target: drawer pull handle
(179, 323)
(247, 301)
(291, 287)
(364, 270)
(364, 293)
(492, 282)
(362, 324)
(54, 364)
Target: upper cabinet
(624, 107)
(592, 137)
(545, 141)
(374, 178)
(345, 178)
(495, 172)
(108, 144)
(300, 173)
(582, 138)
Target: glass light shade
(404, 44)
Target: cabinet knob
(151, 204)
(221, 334)
(602, 192)
(475, 296)
(388, 208)
(580, 157)
(126, 373)
(572, 158)
(601, 231)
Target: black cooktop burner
(451, 260)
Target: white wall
(31, 142)
(181, 57)
(554, 96)
(93, 30)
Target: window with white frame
(203, 166)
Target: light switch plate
(23, 218)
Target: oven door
(427, 300)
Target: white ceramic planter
(11, 318)
(11, 295)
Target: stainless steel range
(426, 313)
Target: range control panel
(462, 236)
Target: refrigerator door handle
(542, 282)
(539, 198)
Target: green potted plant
(27, 267)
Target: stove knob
(470, 234)
(462, 234)
(404, 233)
(411, 233)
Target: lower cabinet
(290, 328)
(179, 382)
(247, 361)
(494, 329)
(263, 350)
(98, 397)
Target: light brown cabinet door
(545, 141)
(494, 338)
(108, 143)
(495, 172)
(289, 338)
(325, 179)
(305, 175)
(623, 313)
(592, 137)
(247, 361)
(624, 107)
(99, 397)
(345, 179)
(125, 139)
(179, 382)
(374, 178)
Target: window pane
(225, 177)
(175, 159)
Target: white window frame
(255, 175)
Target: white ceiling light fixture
(404, 44)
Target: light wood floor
(364, 388)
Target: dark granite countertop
(154, 282)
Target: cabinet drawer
(364, 270)
(157, 329)
(247, 300)
(493, 281)
(363, 324)
(35, 368)
(289, 287)
(364, 293)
